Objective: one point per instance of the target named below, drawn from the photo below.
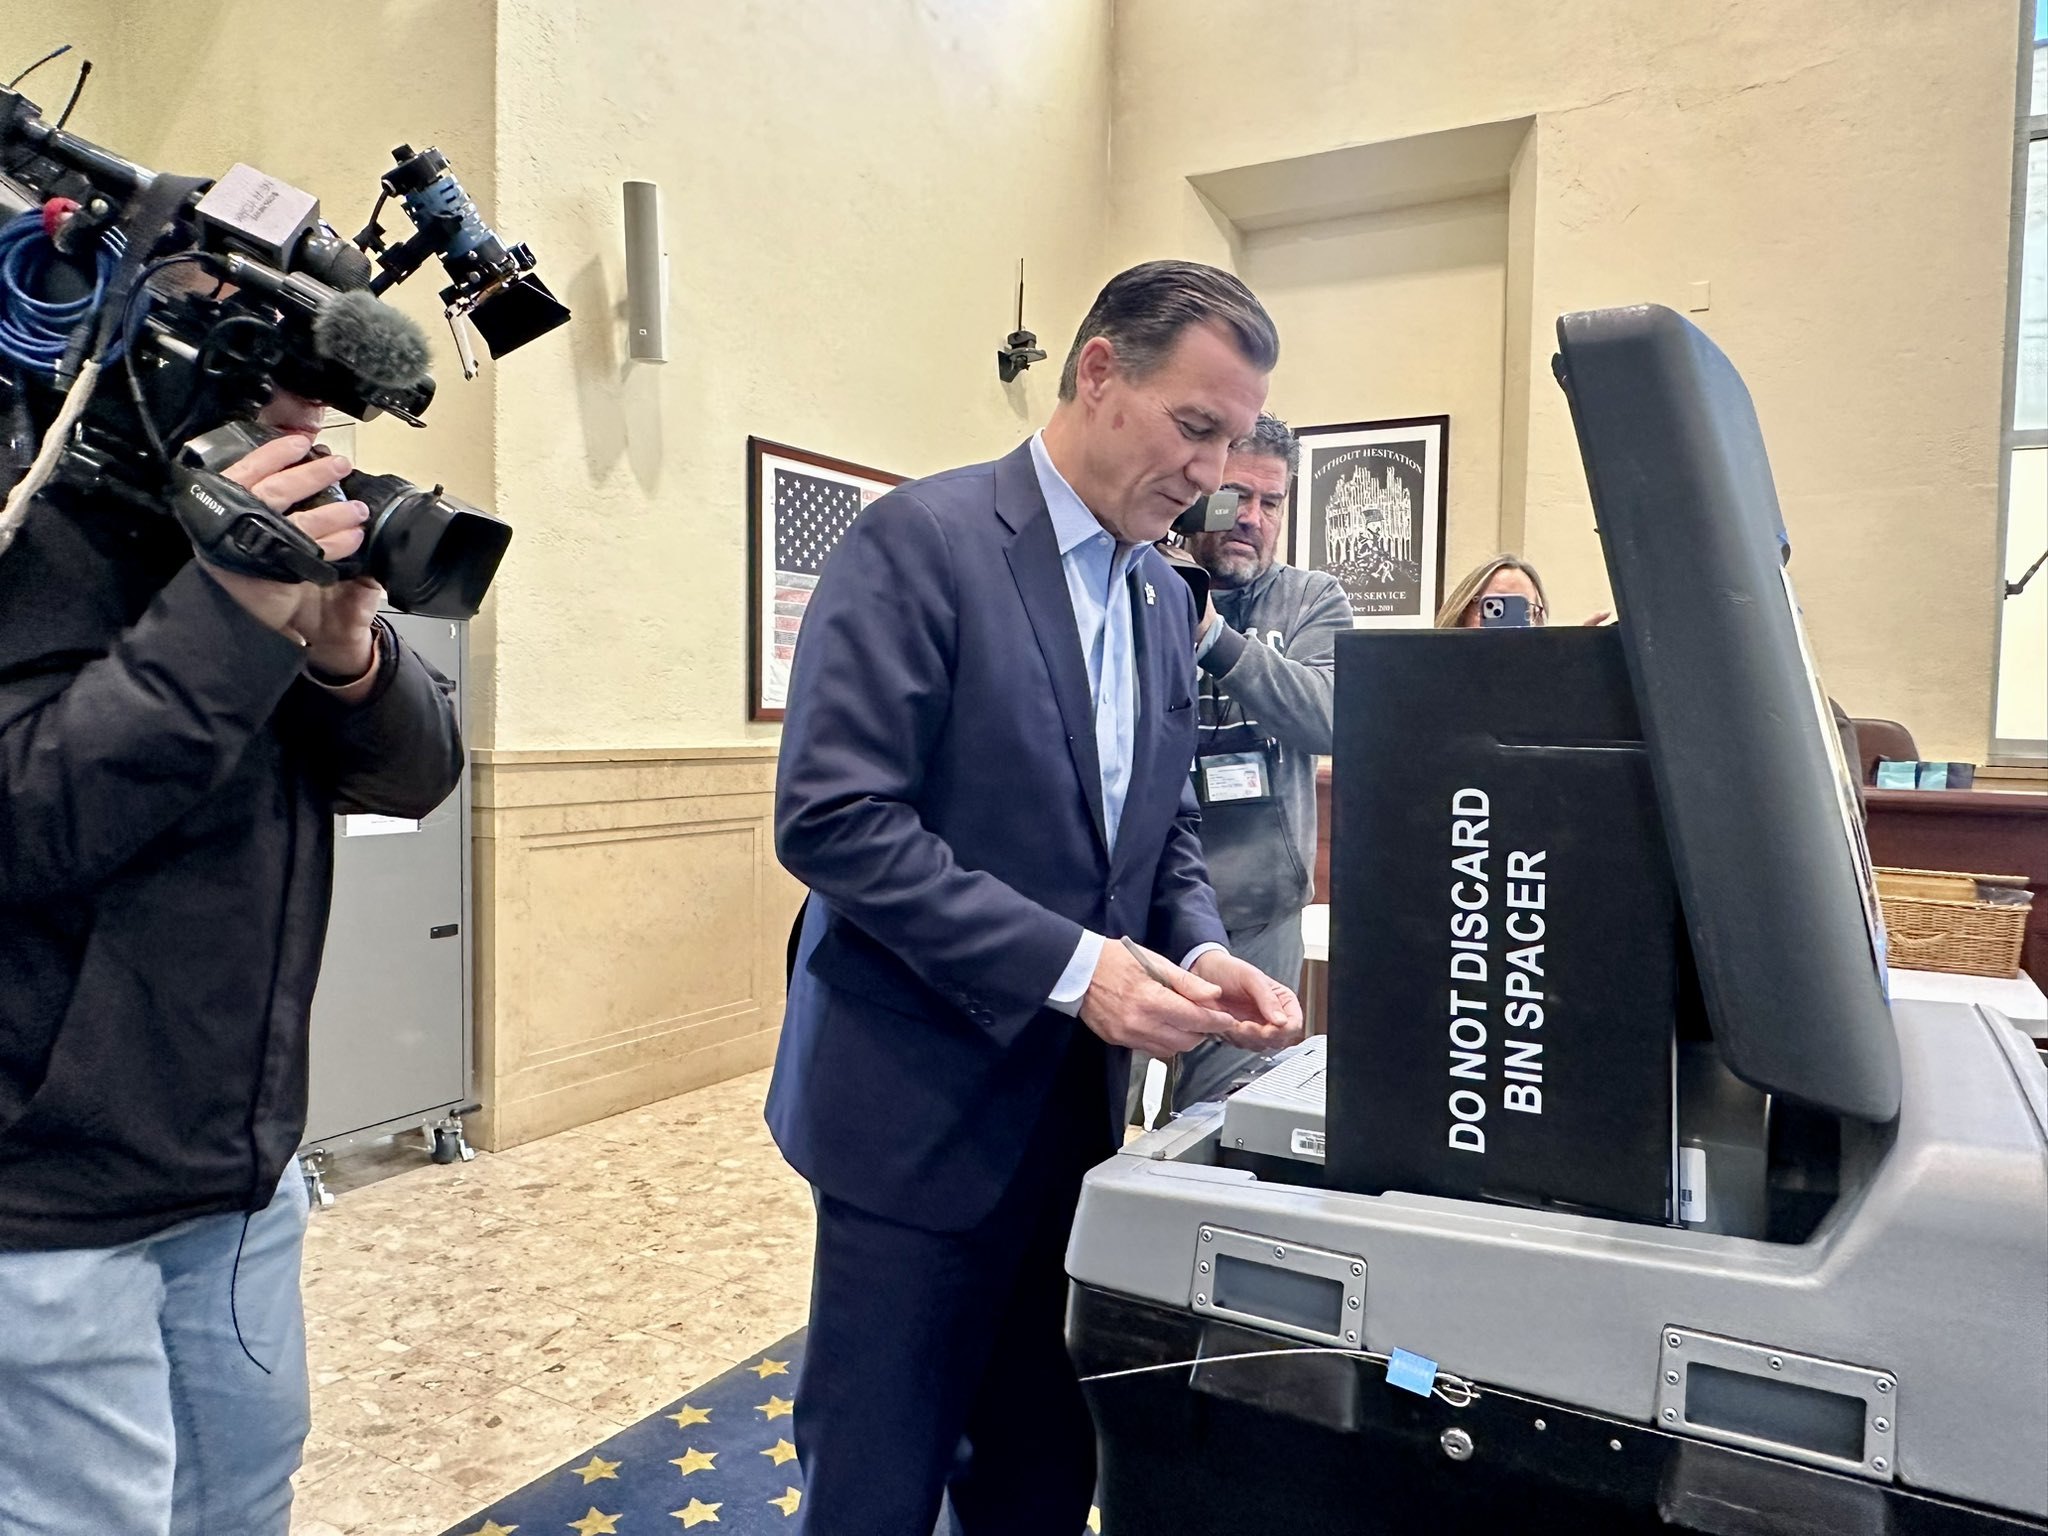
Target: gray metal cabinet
(391, 1043)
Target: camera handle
(230, 527)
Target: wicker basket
(1934, 922)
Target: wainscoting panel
(630, 922)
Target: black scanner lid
(1761, 813)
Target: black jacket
(168, 778)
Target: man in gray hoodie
(1266, 660)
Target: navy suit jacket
(939, 794)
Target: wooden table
(1976, 831)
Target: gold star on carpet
(791, 1497)
(596, 1468)
(769, 1368)
(699, 1513)
(492, 1528)
(775, 1407)
(781, 1453)
(595, 1524)
(694, 1460)
(1095, 1520)
(690, 1416)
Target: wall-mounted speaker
(646, 275)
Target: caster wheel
(447, 1147)
(312, 1167)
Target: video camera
(282, 302)
(1211, 514)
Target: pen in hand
(1160, 971)
(1144, 958)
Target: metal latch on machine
(1283, 1287)
(1800, 1407)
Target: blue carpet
(722, 1456)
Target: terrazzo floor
(470, 1327)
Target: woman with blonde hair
(1508, 575)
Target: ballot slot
(1822, 1412)
(1304, 1293)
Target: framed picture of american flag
(800, 505)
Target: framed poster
(799, 506)
(1368, 507)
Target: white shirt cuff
(1188, 960)
(1072, 986)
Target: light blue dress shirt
(1098, 583)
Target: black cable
(77, 90)
(2015, 588)
(55, 53)
(209, 349)
(128, 318)
(234, 1312)
(291, 854)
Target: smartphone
(1504, 610)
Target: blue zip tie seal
(1411, 1372)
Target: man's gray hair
(1142, 311)
(1271, 438)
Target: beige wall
(1392, 314)
(1839, 175)
(633, 916)
(847, 189)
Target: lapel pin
(1150, 596)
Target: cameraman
(174, 741)
(1265, 655)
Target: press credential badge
(1234, 776)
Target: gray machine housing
(1899, 1336)
(1930, 1272)
(1280, 1113)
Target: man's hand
(281, 475)
(336, 621)
(1208, 617)
(1265, 1016)
(1126, 1006)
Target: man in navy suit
(984, 783)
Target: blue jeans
(127, 1403)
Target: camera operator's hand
(336, 622)
(282, 475)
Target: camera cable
(57, 52)
(156, 211)
(34, 331)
